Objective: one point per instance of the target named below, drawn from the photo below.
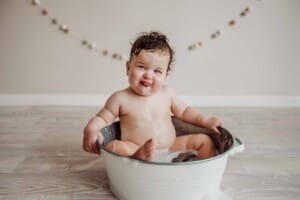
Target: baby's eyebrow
(140, 63)
(161, 68)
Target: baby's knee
(205, 146)
(208, 141)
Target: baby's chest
(146, 111)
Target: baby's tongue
(146, 84)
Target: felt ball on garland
(213, 36)
(64, 28)
(35, 2)
(115, 55)
(247, 9)
(216, 34)
(195, 46)
(45, 12)
(243, 14)
(54, 21)
(92, 45)
(191, 47)
(232, 22)
(121, 57)
(84, 42)
(105, 52)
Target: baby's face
(147, 71)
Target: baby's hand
(91, 139)
(213, 124)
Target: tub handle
(238, 147)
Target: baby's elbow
(190, 114)
(181, 113)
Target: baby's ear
(127, 66)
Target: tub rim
(233, 146)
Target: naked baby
(146, 106)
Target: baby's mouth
(145, 83)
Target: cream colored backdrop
(259, 56)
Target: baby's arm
(105, 117)
(192, 115)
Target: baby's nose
(148, 74)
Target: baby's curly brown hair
(152, 41)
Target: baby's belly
(162, 133)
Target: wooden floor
(41, 155)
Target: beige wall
(258, 56)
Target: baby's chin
(145, 93)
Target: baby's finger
(85, 146)
(216, 131)
(97, 147)
(94, 148)
(89, 146)
(217, 122)
(220, 125)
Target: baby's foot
(145, 152)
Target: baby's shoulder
(118, 93)
(117, 96)
(168, 90)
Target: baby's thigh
(191, 141)
(180, 143)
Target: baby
(145, 108)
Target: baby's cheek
(160, 81)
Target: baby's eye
(157, 71)
(141, 66)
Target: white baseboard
(199, 101)
(243, 101)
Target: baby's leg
(129, 149)
(145, 152)
(202, 143)
(123, 148)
